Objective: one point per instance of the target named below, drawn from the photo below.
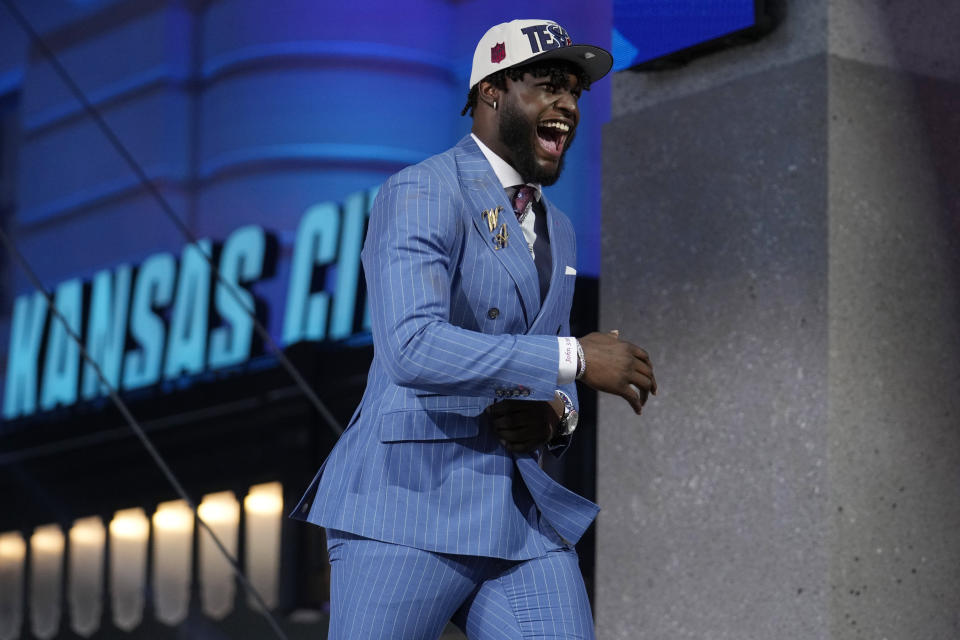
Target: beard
(518, 134)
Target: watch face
(570, 416)
(572, 419)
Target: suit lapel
(483, 192)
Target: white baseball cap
(523, 41)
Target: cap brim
(594, 61)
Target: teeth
(559, 126)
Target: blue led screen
(647, 29)
(267, 130)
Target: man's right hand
(618, 367)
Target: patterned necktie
(535, 235)
(521, 199)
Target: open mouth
(553, 135)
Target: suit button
(493, 312)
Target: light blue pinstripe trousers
(384, 591)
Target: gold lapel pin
(491, 215)
(500, 240)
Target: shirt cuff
(567, 371)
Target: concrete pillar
(781, 230)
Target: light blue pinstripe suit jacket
(419, 465)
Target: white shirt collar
(507, 175)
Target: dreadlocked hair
(556, 70)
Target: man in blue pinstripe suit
(434, 501)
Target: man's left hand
(525, 425)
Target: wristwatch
(568, 423)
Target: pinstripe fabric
(392, 592)
(418, 464)
(540, 598)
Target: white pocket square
(570, 271)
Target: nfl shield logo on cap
(497, 53)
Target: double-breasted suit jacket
(458, 324)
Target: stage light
(263, 509)
(46, 573)
(130, 524)
(129, 530)
(13, 551)
(264, 499)
(12, 547)
(221, 512)
(85, 577)
(172, 561)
